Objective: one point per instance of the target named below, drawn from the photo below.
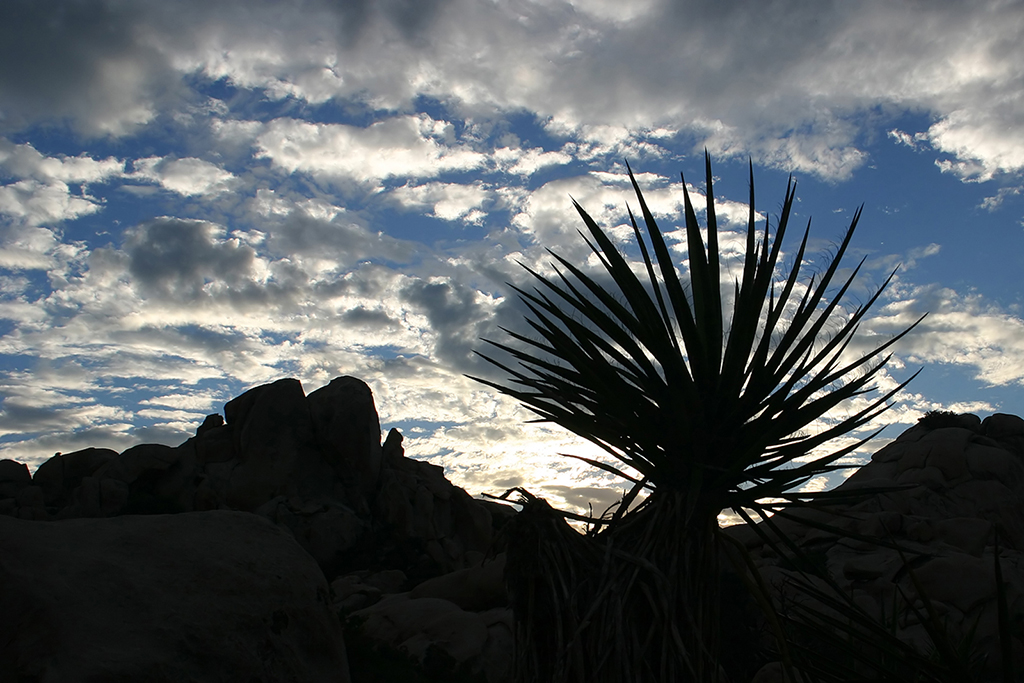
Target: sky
(197, 198)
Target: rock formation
(312, 465)
(414, 564)
(962, 479)
(202, 596)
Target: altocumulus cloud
(177, 259)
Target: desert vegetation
(707, 396)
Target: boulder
(437, 636)
(62, 474)
(201, 597)
(276, 445)
(955, 483)
(348, 433)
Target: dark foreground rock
(102, 576)
(456, 627)
(314, 466)
(963, 482)
(201, 597)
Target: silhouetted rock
(204, 597)
(276, 446)
(348, 434)
(312, 465)
(409, 556)
(14, 480)
(62, 474)
(962, 479)
(12, 472)
(422, 522)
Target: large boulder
(276, 445)
(199, 597)
(348, 434)
(955, 482)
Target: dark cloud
(776, 80)
(175, 258)
(15, 416)
(413, 18)
(368, 318)
(455, 316)
(79, 61)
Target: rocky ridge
(414, 564)
(375, 522)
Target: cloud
(36, 203)
(24, 161)
(41, 192)
(707, 71)
(180, 259)
(995, 201)
(982, 145)
(196, 401)
(407, 147)
(361, 316)
(526, 162)
(285, 265)
(28, 248)
(86, 62)
(456, 315)
(188, 177)
(29, 412)
(610, 10)
(961, 329)
(341, 240)
(548, 216)
(447, 201)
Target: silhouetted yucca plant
(708, 407)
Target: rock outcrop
(414, 564)
(962, 479)
(314, 466)
(455, 627)
(311, 464)
(203, 597)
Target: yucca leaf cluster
(708, 402)
(705, 402)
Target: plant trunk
(637, 602)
